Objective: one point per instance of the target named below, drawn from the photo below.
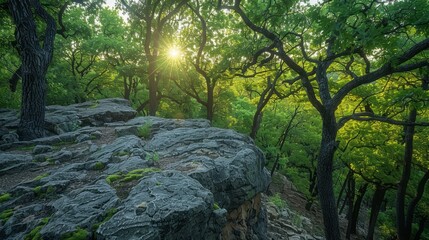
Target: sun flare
(174, 52)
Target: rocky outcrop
(107, 175)
(63, 119)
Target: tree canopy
(332, 89)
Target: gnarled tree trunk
(35, 60)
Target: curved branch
(51, 28)
(368, 116)
(392, 66)
(62, 31)
(281, 52)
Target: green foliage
(113, 178)
(104, 56)
(277, 200)
(6, 214)
(121, 153)
(41, 176)
(44, 192)
(145, 130)
(25, 147)
(35, 233)
(79, 234)
(130, 176)
(5, 197)
(37, 190)
(152, 157)
(99, 166)
(215, 206)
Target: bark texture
(35, 59)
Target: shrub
(277, 201)
(145, 131)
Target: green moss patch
(25, 148)
(44, 192)
(216, 206)
(98, 166)
(41, 176)
(35, 233)
(121, 153)
(123, 182)
(6, 214)
(79, 234)
(5, 197)
(130, 176)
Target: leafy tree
(9, 62)
(334, 48)
(34, 34)
(35, 60)
(86, 59)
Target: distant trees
(156, 19)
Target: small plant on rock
(278, 201)
(152, 157)
(145, 130)
(99, 166)
(215, 206)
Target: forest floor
(296, 201)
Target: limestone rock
(104, 174)
(157, 209)
(13, 162)
(80, 208)
(223, 161)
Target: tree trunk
(312, 190)
(210, 100)
(257, 119)
(324, 176)
(403, 223)
(153, 89)
(422, 223)
(351, 193)
(351, 228)
(263, 101)
(377, 200)
(343, 187)
(34, 64)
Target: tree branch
(392, 66)
(367, 117)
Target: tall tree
(341, 37)
(36, 55)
